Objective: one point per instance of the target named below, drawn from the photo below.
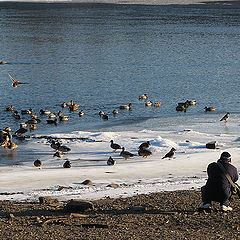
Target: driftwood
(65, 218)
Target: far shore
(134, 2)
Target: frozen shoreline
(136, 175)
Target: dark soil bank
(167, 215)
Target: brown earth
(167, 215)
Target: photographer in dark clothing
(218, 188)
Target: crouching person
(218, 187)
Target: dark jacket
(218, 188)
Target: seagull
(111, 161)
(145, 145)
(15, 82)
(225, 117)
(126, 154)
(170, 154)
(38, 164)
(115, 146)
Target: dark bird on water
(225, 117)
(111, 161)
(170, 154)
(38, 164)
(115, 146)
(21, 131)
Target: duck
(225, 117)
(35, 119)
(115, 111)
(32, 127)
(115, 146)
(145, 145)
(12, 146)
(105, 117)
(192, 102)
(81, 113)
(54, 144)
(15, 82)
(148, 103)
(52, 115)
(67, 164)
(4, 142)
(144, 152)
(73, 106)
(58, 154)
(9, 109)
(60, 113)
(52, 121)
(181, 108)
(101, 113)
(45, 112)
(62, 148)
(126, 154)
(157, 104)
(128, 107)
(38, 163)
(63, 118)
(34, 116)
(27, 111)
(111, 161)
(23, 125)
(21, 131)
(3, 62)
(170, 154)
(16, 115)
(210, 109)
(143, 97)
(63, 105)
(32, 121)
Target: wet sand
(166, 215)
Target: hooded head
(225, 156)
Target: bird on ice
(225, 117)
(115, 146)
(38, 164)
(111, 161)
(170, 154)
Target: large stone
(78, 206)
(211, 145)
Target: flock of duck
(143, 150)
